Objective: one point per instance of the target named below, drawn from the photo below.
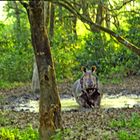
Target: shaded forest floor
(85, 124)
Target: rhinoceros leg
(82, 101)
(96, 99)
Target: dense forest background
(73, 43)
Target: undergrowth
(16, 134)
(127, 128)
(10, 85)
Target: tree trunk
(49, 105)
(74, 21)
(60, 13)
(52, 20)
(99, 15)
(35, 79)
(47, 12)
(18, 28)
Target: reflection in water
(70, 103)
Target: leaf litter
(86, 124)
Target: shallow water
(33, 106)
(120, 102)
(70, 103)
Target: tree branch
(119, 7)
(84, 19)
(25, 5)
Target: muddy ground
(84, 123)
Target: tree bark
(35, 79)
(47, 12)
(74, 21)
(60, 14)
(49, 105)
(99, 15)
(18, 28)
(52, 20)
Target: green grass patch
(11, 85)
(3, 120)
(127, 128)
(16, 134)
(132, 122)
(124, 135)
(1, 99)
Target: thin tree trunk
(99, 15)
(18, 28)
(35, 79)
(47, 12)
(74, 21)
(52, 20)
(60, 14)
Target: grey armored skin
(86, 89)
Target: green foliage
(133, 33)
(70, 51)
(63, 134)
(9, 85)
(112, 62)
(3, 121)
(16, 51)
(64, 50)
(92, 51)
(1, 100)
(133, 121)
(124, 135)
(58, 135)
(16, 134)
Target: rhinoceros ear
(83, 69)
(94, 68)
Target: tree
(35, 79)
(49, 107)
(84, 17)
(52, 20)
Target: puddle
(120, 102)
(70, 103)
(33, 106)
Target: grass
(3, 120)
(2, 99)
(132, 122)
(10, 85)
(127, 128)
(124, 135)
(16, 134)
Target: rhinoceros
(86, 89)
